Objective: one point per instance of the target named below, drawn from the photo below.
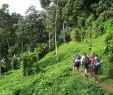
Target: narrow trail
(104, 85)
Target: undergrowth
(56, 77)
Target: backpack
(98, 63)
(77, 59)
(86, 61)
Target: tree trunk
(22, 48)
(49, 34)
(64, 33)
(48, 24)
(56, 48)
(49, 41)
(0, 65)
(8, 42)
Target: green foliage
(106, 15)
(109, 43)
(81, 21)
(17, 92)
(40, 48)
(15, 63)
(75, 35)
(108, 66)
(45, 3)
(13, 50)
(109, 52)
(89, 20)
(101, 6)
(33, 29)
(72, 10)
(65, 33)
(30, 65)
(30, 30)
(110, 72)
(55, 78)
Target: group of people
(91, 64)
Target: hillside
(55, 77)
(36, 50)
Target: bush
(17, 92)
(109, 44)
(106, 15)
(15, 63)
(40, 50)
(89, 20)
(75, 35)
(29, 60)
(107, 66)
(110, 58)
(81, 21)
(110, 72)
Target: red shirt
(91, 60)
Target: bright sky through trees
(20, 6)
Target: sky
(20, 6)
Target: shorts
(77, 64)
(96, 69)
(86, 66)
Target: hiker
(97, 65)
(76, 62)
(91, 66)
(85, 62)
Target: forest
(36, 50)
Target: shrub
(109, 44)
(65, 34)
(29, 60)
(110, 72)
(81, 21)
(75, 35)
(106, 15)
(15, 63)
(107, 66)
(17, 92)
(110, 68)
(89, 20)
(40, 50)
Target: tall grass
(56, 77)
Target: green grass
(56, 77)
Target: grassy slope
(56, 77)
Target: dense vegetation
(25, 40)
(55, 77)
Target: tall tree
(45, 4)
(31, 29)
(56, 46)
(5, 23)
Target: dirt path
(104, 85)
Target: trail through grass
(56, 77)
